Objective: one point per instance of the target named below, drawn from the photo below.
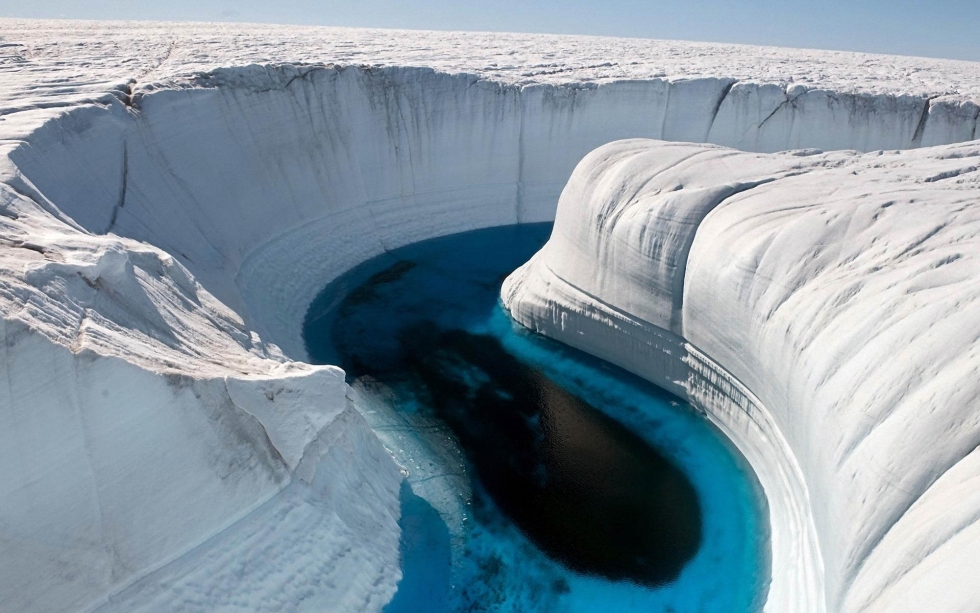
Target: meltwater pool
(538, 478)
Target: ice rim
(165, 223)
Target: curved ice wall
(266, 182)
(157, 242)
(822, 310)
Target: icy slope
(168, 209)
(840, 291)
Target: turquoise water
(540, 479)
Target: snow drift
(159, 246)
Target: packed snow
(173, 196)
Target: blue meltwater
(539, 478)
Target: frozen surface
(838, 290)
(172, 197)
(49, 59)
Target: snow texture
(823, 309)
(172, 197)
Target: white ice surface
(172, 196)
(839, 290)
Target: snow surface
(841, 290)
(172, 197)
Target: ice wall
(825, 306)
(162, 238)
(245, 175)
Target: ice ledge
(142, 420)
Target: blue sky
(936, 28)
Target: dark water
(422, 327)
(584, 488)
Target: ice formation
(822, 308)
(173, 196)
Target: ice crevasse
(163, 441)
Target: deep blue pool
(539, 478)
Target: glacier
(173, 197)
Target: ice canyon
(788, 240)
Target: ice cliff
(823, 309)
(173, 196)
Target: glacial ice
(835, 293)
(173, 196)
